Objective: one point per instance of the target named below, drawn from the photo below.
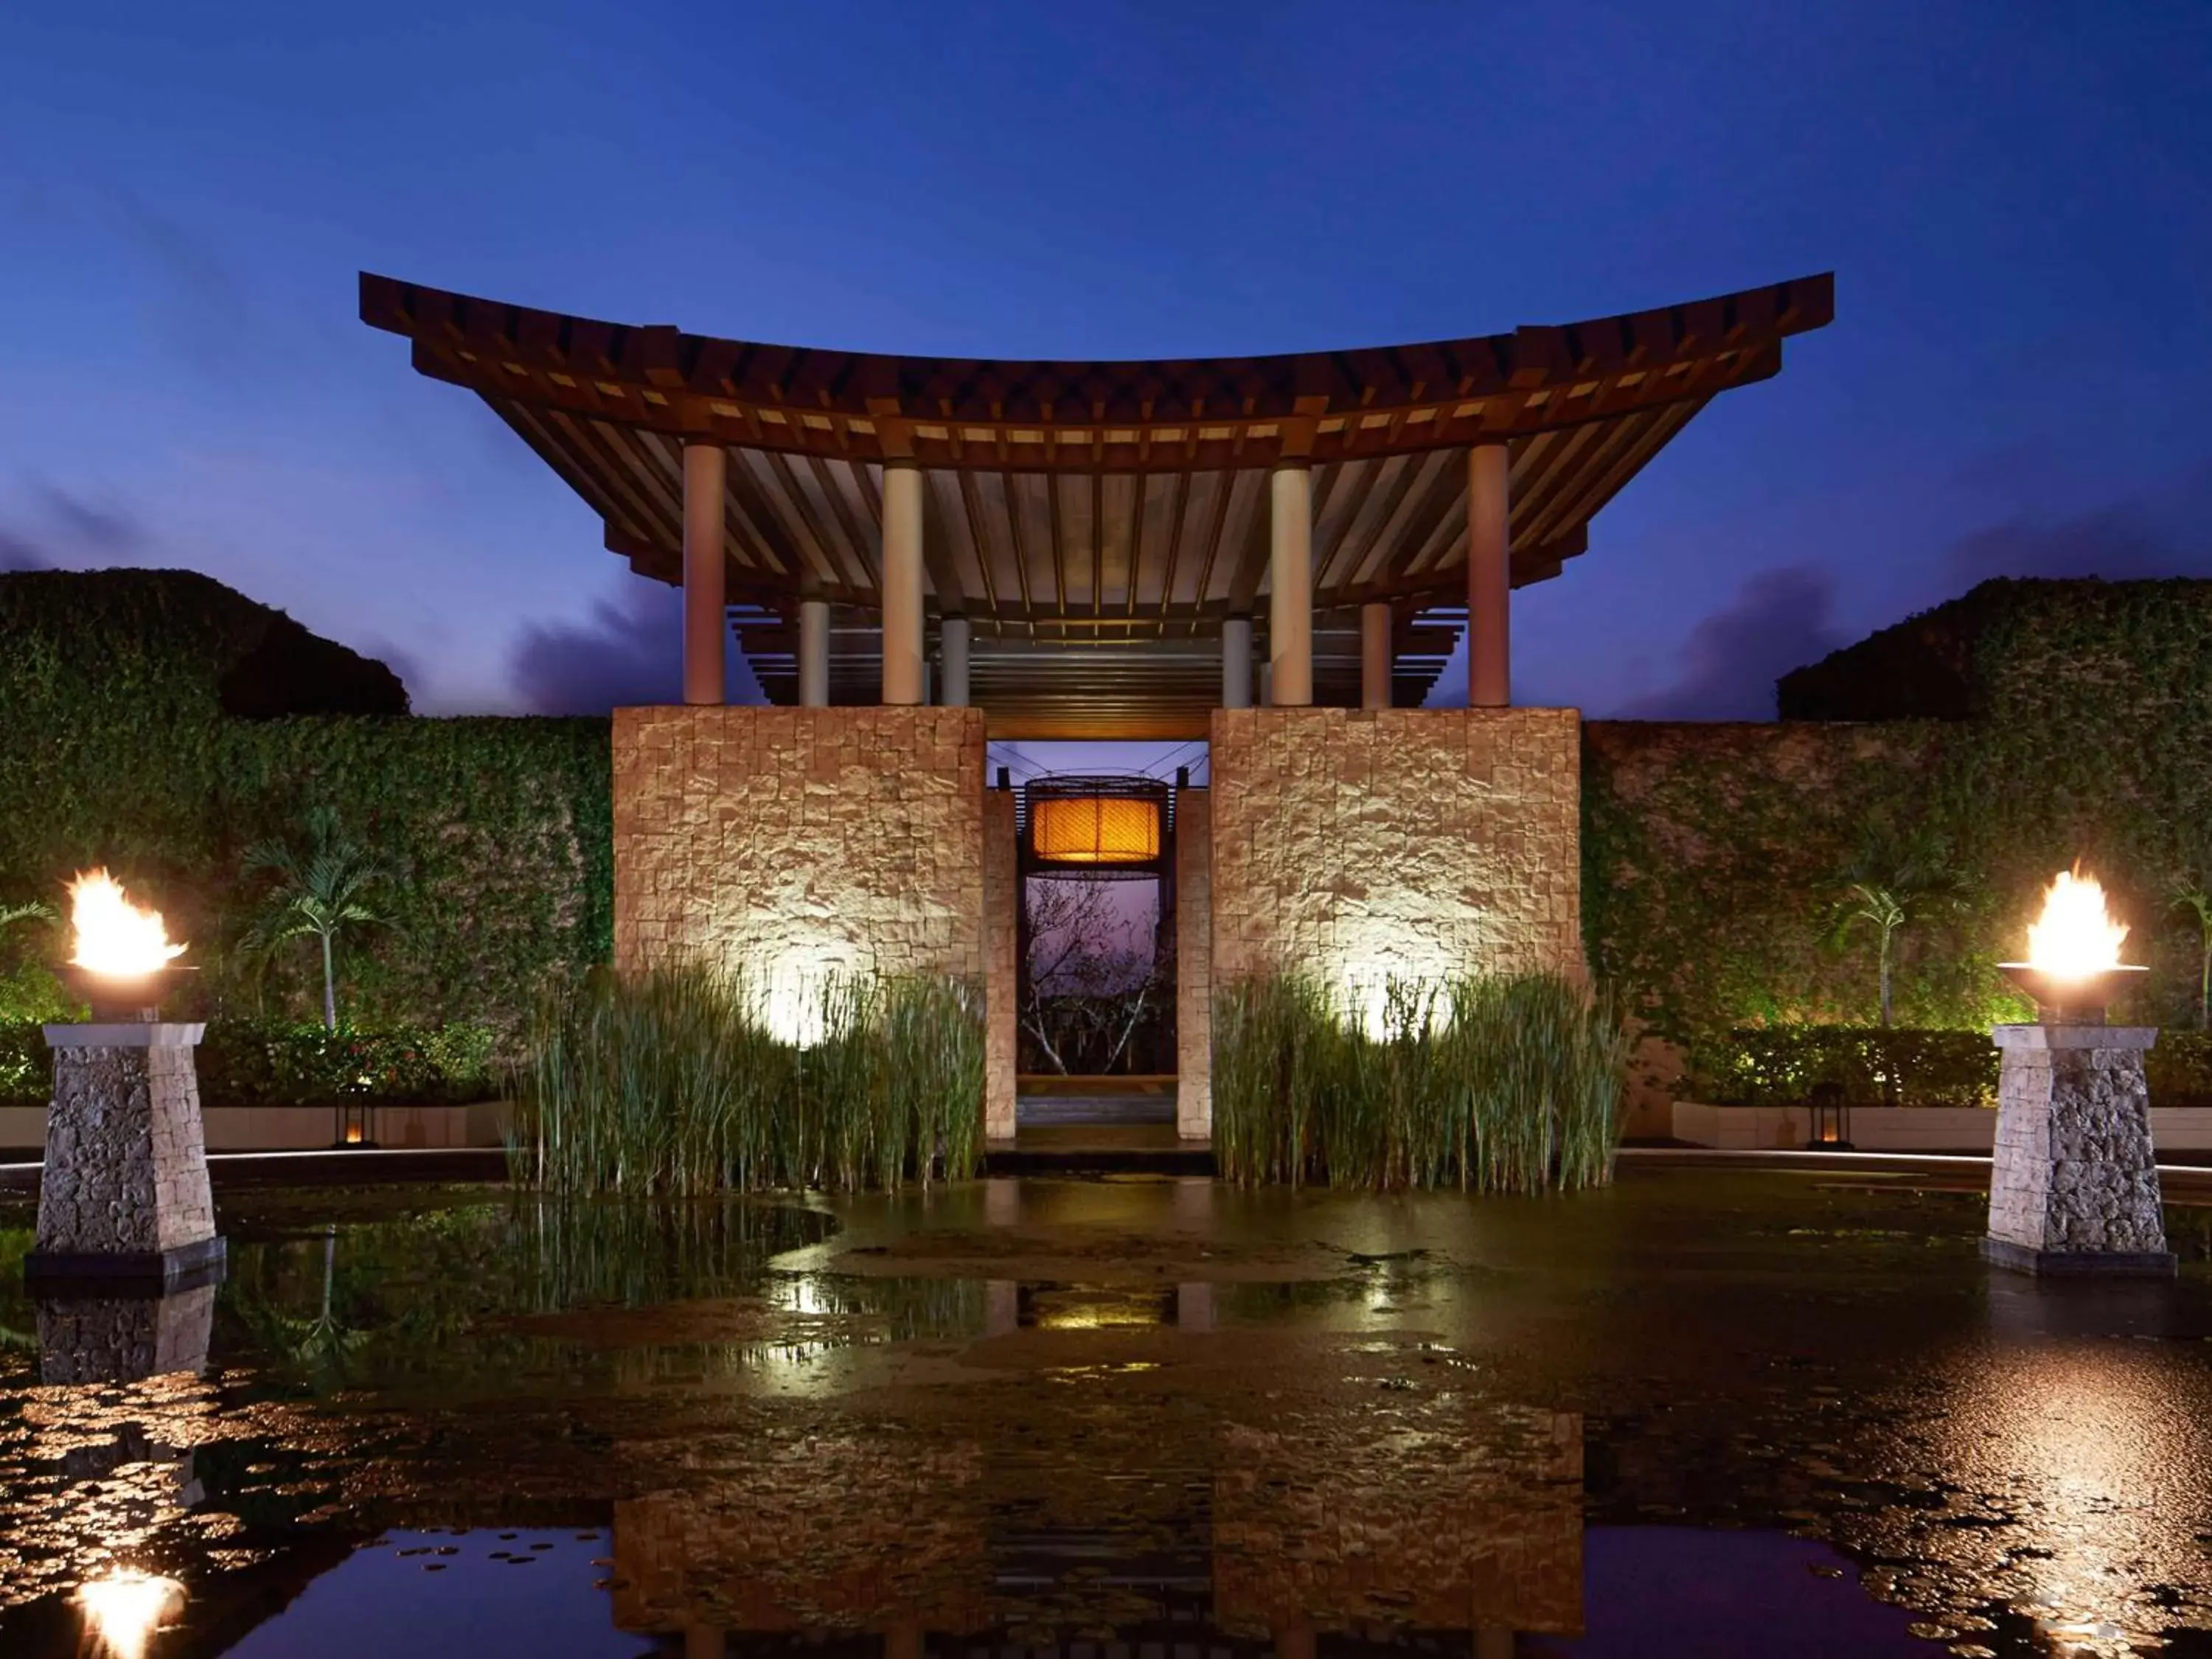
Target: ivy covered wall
(148, 721)
(2026, 724)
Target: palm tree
(320, 892)
(1891, 881)
(2190, 894)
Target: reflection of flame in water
(2075, 936)
(123, 1610)
(114, 936)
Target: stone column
(814, 654)
(1193, 881)
(1489, 580)
(124, 1194)
(901, 594)
(706, 610)
(1290, 581)
(1375, 656)
(1236, 662)
(953, 641)
(1001, 965)
(125, 1338)
(2074, 1184)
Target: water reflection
(1005, 1416)
(1277, 1541)
(124, 1609)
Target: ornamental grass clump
(672, 1081)
(1489, 1083)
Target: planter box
(296, 1128)
(1901, 1128)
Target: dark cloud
(2120, 544)
(630, 652)
(1779, 620)
(94, 528)
(20, 553)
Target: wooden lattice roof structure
(1098, 520)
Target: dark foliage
(243, 1062)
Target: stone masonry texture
(124, 1340)
(1356, 844)
(1194, 921)
(797, 842)
(2073, 1169)
(126, 1155)
(1002, 986)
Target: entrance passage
(1096, 951)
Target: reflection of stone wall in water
(836, 1534)
(1483, 1533)
(793, 841)
(125, 1338)
(1419, 842)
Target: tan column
(903, 681)
(1375, 656)
(706, 612)
(1290, 578)
(814, 654)
(953, 640)
(1489, 580)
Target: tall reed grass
(671, 1081)
(1491, 1083)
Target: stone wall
(1193, 923)
(1357, 844)
(125, 1157)
(800, 841)
(1002, 995)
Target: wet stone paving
(1701, 1411)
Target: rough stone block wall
(798, 842)
(125, 1340)
(2074, 1168)
(126, 1153)
(1002, 1011)
(1356, 844)
(1193, 882)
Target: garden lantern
(2074, 1184)
(123, 1196)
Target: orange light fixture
(1094, 829)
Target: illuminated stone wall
(1002, 1009)
(1194, 921)
(800, 841)
(1358, 845)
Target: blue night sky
(2014, 195)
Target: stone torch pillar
(124, 1197)
(2074, 1185)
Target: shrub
(255, 1063)
(671, 1081)
(1491, 1082)
(1781, 1064)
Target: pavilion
(919, 552)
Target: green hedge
(264, 1063)
(1780, 1066)
(117, 750)
(1711, 850)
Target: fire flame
(123, 1610)
(2076, 936)
(114, 936)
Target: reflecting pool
(1702, 1412)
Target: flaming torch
(123, 964)
(124, 1198)
(2073, 969)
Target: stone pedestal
(2074, 1185)
(125, 1338)
(124, 1196)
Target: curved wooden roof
(1101, 502)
